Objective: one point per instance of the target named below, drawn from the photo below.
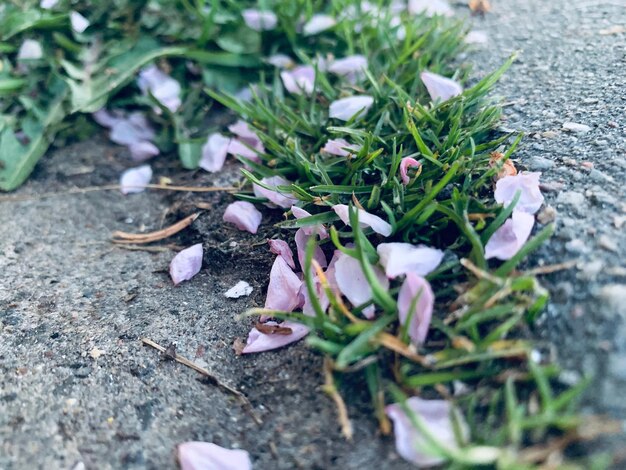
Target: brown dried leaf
(273, 329)
(479, 6)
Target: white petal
(299, 80)
(345, 108)
(186, 264)
(440, 88)
(403, 258)
(317, 24)
(30, 50)
(430, 7)
(527, 183)
(352, 282)
(48, 4)
(366, 219)
(78, 21)
(274, 195)
(338, 147)
(510, 237)
(259, 342)
(214, 152)
(134, 180)
(209, 456)
(259, 20)
(243, 215)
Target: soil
(77, 385)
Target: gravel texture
(76, 385)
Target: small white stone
(241, 289)
(576, 127)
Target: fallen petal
(510, 237)
(404, 258)
(317, 24)
(243, 215)
(241, 289)
(164, 88)
(259, 342)
(531, 198)
(416, 287)
(366, 219)
(281, 248)
(259, 20)
(48, 4)
(274, 195)
(208, 456)
(436, 415)
(298, 80)
(351, 67)
(30, 50)
(318, 229)
(476, 37)
(186, 264)
(78, 21)
(302, 239)
(134, 180)
(245, 134)
(284, 286)
(430, 7)
(214, 152)
(353, 106)
(440, 88)
(280, 61)
(340, 147)
(405, 164)
(353, 284)
(238, 148)
(142, 151)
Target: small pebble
(606, 242)
(540, 163)
(547, 215)
(241, 289)
(614, 296)
(576, 246)
(570, 198)
(576, 127)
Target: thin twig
(480, 273)
(394, 344)
(331, 390)
(186, 362)
(112, 187)
(552, 268)
(139, 238)
(151, 249)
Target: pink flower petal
(274, 196)
(301, 241)
(259, 342)
(366, 220)
(437, 418)
(351, 67)
(280, 61)
(430, 7)
(259, 20)
(412, 287)
(245, 134)
(79, 22)
(186, 264)
(510, 237)
(30, 50)
(142, 151)
(48, 4)
(531, 198)
(405, 164)
(320, 294)
(338, 147)
(353, 284)
(281, 248)
(346, 108)
(164, 88)
(317, 24)
(403, 258)
(128, 130)
(238, 148)
(440, 88)
(243, 215)
(284, 286)
(134, 180)
(208, 456)
(214, 152)
(300, 79)
(476, 37)
(318, 229)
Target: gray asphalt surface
(66, 293)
